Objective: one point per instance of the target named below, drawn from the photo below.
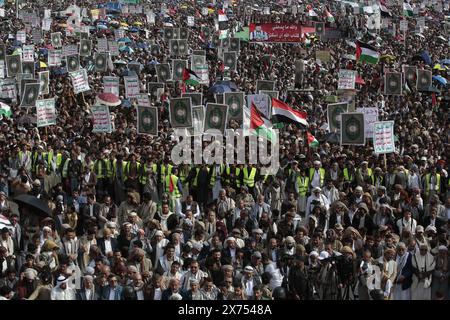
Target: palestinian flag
(5, 110)
(312, 141)
(189, 77)
(259, 125)
(407, 9)
(385, 12)
(281, 112)
(329, 16)
(367, 53)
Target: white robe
(421, 289)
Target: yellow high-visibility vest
(428, 183)
(346, 175)
(322, 175)
(176, 192)
(302, 185)
(249, 180)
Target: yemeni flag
(312, 141)
(190, 77)
(260, 126)
(5, 110)
(329, 16)
(222, 15)
(407, 9)
(281, 112)
(367, 53)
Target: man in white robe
(423, 264)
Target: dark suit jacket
(438, 223)
(105, 293)
(81, 295)
(85, 212)
(407, 272)
(368, 223)
(101, 244)
(345, 220)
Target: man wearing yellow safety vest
(101, 170)
(146, 167)
(363, 173)
(316, 175)
(162, 170)
(215, 177)
(249, 177)
(131, 172)
(302, 188)
(37, 158)
(184, 170)
(174, 189)
(349, 173)
(432, 183)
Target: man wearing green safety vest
(432, 184)
(215, 179)
(143, 173)
(37, 158)
(131, 172)
(363, 173)
(316, 175)
(301, 188)
(184, 170)
(101, 169)
(350, 173)
(174, 189)
(249, 174)
(161, 171)
(237, 176)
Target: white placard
(102, 119)
(370, 117)
(346, 79)
(111, 85)
(383, 137)
(80, 81)
(132, 87)
(45, 112)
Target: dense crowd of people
(336, 222)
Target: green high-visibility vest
(143, 173)
(213, 176)
(302, 185)
(428, 183)
(176, 192)
(65, 168)
(100, 170)
(127, 170)
(249, 180)
(237, 173)
(347, 177)
(321, 172)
